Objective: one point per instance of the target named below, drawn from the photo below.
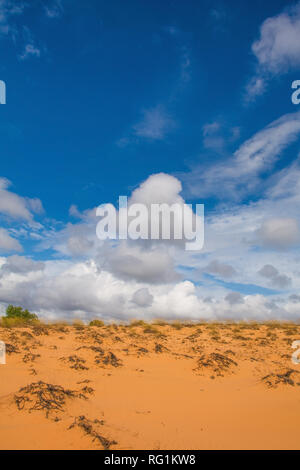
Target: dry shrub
(39, 396)
(91, 429)
(76, 362)
(110, 359)
(215, 362)
(30, 357)
(11, 348)
(78, 325)
(282, 377)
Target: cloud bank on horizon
(160, 146)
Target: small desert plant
(177, 325)
(151, 330)
(159, 322)
(138, 323)
(62, 327)
(98, 323)
(78, 325)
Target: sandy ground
(139, 387)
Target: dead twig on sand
(10, 348)
(88, 427)
(30, 357)
(77, 362)
(285, 377)
(43, 396)
(109, 359)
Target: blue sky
(102, 95)
(101, 65)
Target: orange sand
(163, 387)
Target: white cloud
(221, 269)
(142, 297)
(277, 279)
(9, 9)
(65, 290)
(154, 265)
(280, 233)
(185, 66)
(158, 188)
(231, 235)
(35, 205)
(234, 298)
(255, 87)
(15, 206)
(240, 175)
(286, 184)
(155, 125)
(211, 128)
(144, 260)
(79, 245)
(217, 136)
(7, 242)
(130, 279)
(211, 139)
(54, 8)
(277, 50)
(30, 50)
(21, 265)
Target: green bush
(18, 312)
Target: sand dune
(210, 386)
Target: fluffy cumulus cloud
(277, 50)
(142, 297)
(141, 264)
(68, 290)
(278, 47)
(20, 265)
(158, 188)
(248, 268)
